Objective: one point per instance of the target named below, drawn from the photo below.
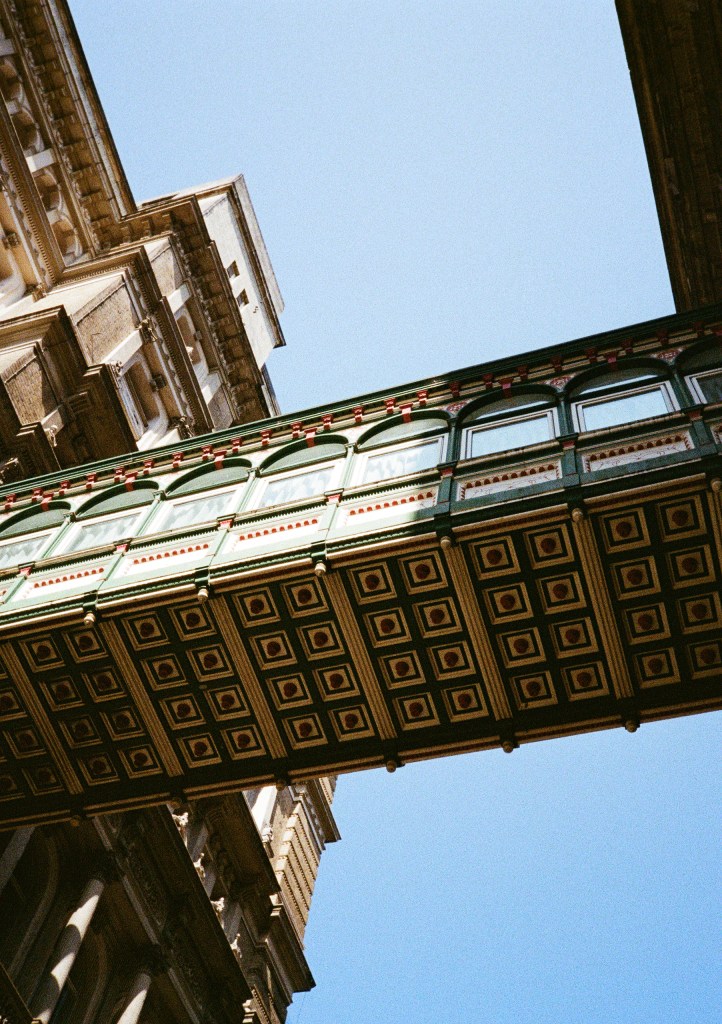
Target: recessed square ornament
(352, 723)
(494, 557)
(388, 627)
(41, 654)
(59, 693)
(464, 702)
(549, 546)
(85, 644)
(139, 761)
(452, 660)
(273, 649)
(561, 593)
(647, 623)
(257, 607)
(423, 572)
(42, 779)
(289, 691)
(321, 640)
(534, 690)
(200, 750)
(164, 672)
(304, 597)
(682, 518)
(373, 582)
(304, 731)
(209, 662)
(97, 769)
(243, 742)
(657, 668)
(226, 702)
(521, 647)
(145, 631)
(625, 531)
(691, 567)
(574, 637)
(192, 622)
(9, 788)
(705, 658)
(437, 617)
(416, 712)
(637, 577)
(700, 613)
(508, 604)
(104, 685)
(182, 712)
(336, 682)
(402, 669)
(10, 706)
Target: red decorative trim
(628, 345)
(327, 420)
(130, 481)
(170, 554)
(558, 363)
(390, 405)
(611, 358)
(90, 480)
(236, 444)
(488, 381)
(503, 477)
(455, 388)
(663, 336)
(37, 494)
(358, 414)
(118, 474)
(655, 442)
(423, 397)
(592, 355)
(9, 502)
(390, 504)
(147, 466)
(265, 438)
(177, 459)
(70, 576)
(406, 413)
(283, 528)
(310, 437)
(296, 430)
(206, 452)
(699, 328)
(218, 458)
(523, 372)
(506, 386)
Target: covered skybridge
(523, 550)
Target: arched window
(703, 371)
(24, 536)
(401, 448)
(504, 424)
(616, 397)
(108, 517)
(201, 496)
(298, 472)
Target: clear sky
(439, 183)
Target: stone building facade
(122, 327)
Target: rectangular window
(18, 552)
(707, 387)
(613, 412)
(100, 533)
(501, 437)
(404, 461)
(177, 515)
(298, 487)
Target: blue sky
(440, 183)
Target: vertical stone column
(68, 945)
(13, 852)
(152, 964)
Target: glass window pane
(298, 487)
(21, 551)
(711, 386)
(105, 531)
(190, 513)
(507, 436)
(625, 409)
(402, 462)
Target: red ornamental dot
(451, 658)
(321, 639)
(6, 784)
(372, 582)
(549, 545)
(289, 689)
(464, 700)
(97, 765)
(645, 621)
(635, 577)
(416, 709)
(560, 590)
(256, 605)
(387, 625)
(305, 596)
(104, 682)
(708, 655)
(437, 616)
(44, 776)
(85, 642)
(690, 564)
(140, 758)
(655, 665)
(533, 688)
(165, 669)
(43, 651)
(700, 611)
(122, 721)
(62, 690)
(200, 748)
(493, 556)
(680, 517)
(273, 649)
(422, 571)
(210, 660)
(521, 645)
(507, 601)
(81, 729)
(350, 721)
(26, 740)
(402, 668)
(584, 679)
(183, 710)
(146, 629)
(243, 739)
(573, 636)
(227, 700)
(193, 619)
(335, 680)
(305, 729)
(6, 702)
(624, 529)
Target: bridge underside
(522, 627)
